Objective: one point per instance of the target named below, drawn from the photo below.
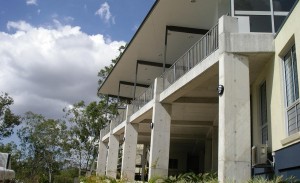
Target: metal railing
(143, 99)
(120, 118)
(198, 52)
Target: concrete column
(208, 155)
(112, 158)
(160, 135)
(102, 156)
(129, 149)
(234, 119)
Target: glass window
(260, 23)
(291, 77)
(252, 5)
(263, 113)
(278, 20)
(283, 5)
(292, 91)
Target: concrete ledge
(119, 128)
(134, 118)
(291, 139)
(105, 137)
(247, 42)
(178, 86)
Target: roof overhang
(180, 22)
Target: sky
(52, 50)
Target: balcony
(198, 52)
(143, 99)
(204, 47)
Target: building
(214, 87)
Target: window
(283, 5)
(292, 91)
(252, 5)
(263, 113)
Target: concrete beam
(193, 124)
(192, 100)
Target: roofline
(287, 17)
(140, 27)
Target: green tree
(42, 147)
(104, 72)
(8, 120)
(86, 123)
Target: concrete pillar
(208, 155)
(160, 135)
(102, 156)
(129, 149)
(112, 158)
(234, 119)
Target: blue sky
(52, 50)
(119, 18)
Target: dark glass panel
(278, 20)
(283, 5)
(252, 5)
(260, 23)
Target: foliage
(103, 73)
(42, 146)
(86, 123)
(192, 177)
(66, 176)
(8, 120)
(100, 179)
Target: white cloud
(31, 2)
(46, 69)
(21, 25)
(105, 14)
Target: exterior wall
(288, 36)
(286, 147)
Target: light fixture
(151, 125)
(220, 90)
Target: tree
(87, 121)
(8, 120)
(104, 72)
(42, 147)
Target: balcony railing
(143, 99)
(198, 52)
(120, 118)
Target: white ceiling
(148, 44)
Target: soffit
(148, 43)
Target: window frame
(296, 101)
(264, 124)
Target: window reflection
(252, 5)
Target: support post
(129, 148)
(112, 158)
(102, 156)
(160, 135)
(234, 119)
